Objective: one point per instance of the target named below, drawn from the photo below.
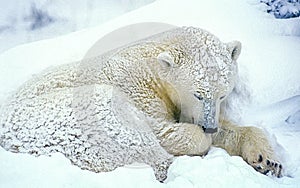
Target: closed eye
(198, 97)
(221, 98)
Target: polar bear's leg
(183, 139)
(251, 144)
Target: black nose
(209, 130)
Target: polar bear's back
(85, 124)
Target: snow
(31, 20)
(217, 169)
(269, 65)
(283, 8)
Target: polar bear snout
(210, 116)
(210, 130)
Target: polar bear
(144, 102)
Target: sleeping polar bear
(145, 102)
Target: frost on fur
(145, 102)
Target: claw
(267, 166)
(266, 172)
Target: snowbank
(270, 58)
(32, 20)
(217, 169)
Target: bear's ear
(235, 49)
(166, 59)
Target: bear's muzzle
(209, 123)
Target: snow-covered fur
(145, 102)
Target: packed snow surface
(269, 66)
(31, 20)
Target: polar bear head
(204, 72)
